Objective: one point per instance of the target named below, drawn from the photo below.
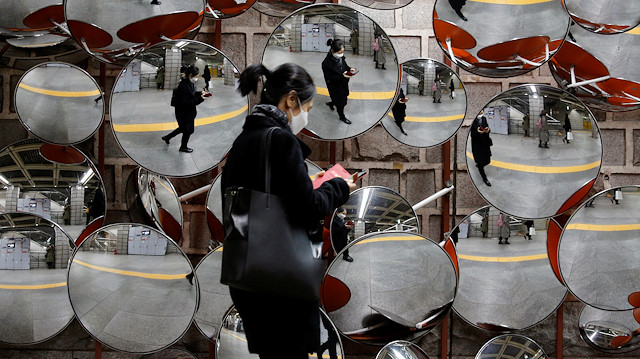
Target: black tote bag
(263, 250)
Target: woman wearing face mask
(335, 69)
(185, 99)
(286, 98)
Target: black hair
(279, 82)
(335, 45)
(340, 210)
(191, 70)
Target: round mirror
(597, 249)
(70, 195)
(280, 8)
(231, 342)
(354, 91)
(112, 276)
(527, 35)
(214, 202)
(401, 349)
(610, 331)
(34, 254)
(224, 9)
(161, 202)
(64, 91)
(114, 31)
(511, 346)
(215, 299)
(430, 105)
(604, 16)
(506, 281)
(398, 286)
(533, 137)
(165, 122)
(368, 210)
(599, 70)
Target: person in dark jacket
(457, 6)
(567, 128)
(286, 98)
(481, 145)
(185, 99)
(97, 206)
(339, 233)
(399, 111)
(206, 75)
(335, 69)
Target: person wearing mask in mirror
(504, 228)
(567, 128)
(354, 41)
(335, 70)
(543, 126)
(378, 51)
(481, 145)
(457, 7)
(399, 111)
(526, 123)
(339, 233)
(206, 75)
(421, 86)
(285, 101)
(185, 99)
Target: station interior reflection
(302, 39)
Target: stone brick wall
(415, 173)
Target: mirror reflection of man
(339, 232)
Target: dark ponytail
(191, 70)
(335, 45)
(278, 83)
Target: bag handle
(265, 155)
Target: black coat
(480, 143)
(399, 109)
(567, 123)
(186, 98)
(271, 320)
(339, 232)
(337, 84)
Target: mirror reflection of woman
(335, 70)
(543, 126)
(481, 145)
(284, 103)
(185, 99)
(399, 111)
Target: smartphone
(358, 175)
(352, 73)
(208, 94)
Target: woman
(206, 75)
(481, 145)
(160, 78)
(526, 123)
(437, 90)
(399, 111)
(185, 99)
(355, 41)
(335, 69)
(378, 52)
(452, 89)
(543, 125)
(285, 101)
(504, 228)
(484, 225)
(567, 128)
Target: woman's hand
(351, 184)
(345, 75)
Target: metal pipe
(588, 82)
(432, 198)
(194, 193)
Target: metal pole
(432, 198)
(194, 193)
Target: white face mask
(337, 56)
(193, 80)
(299, 121)
(342, 215)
